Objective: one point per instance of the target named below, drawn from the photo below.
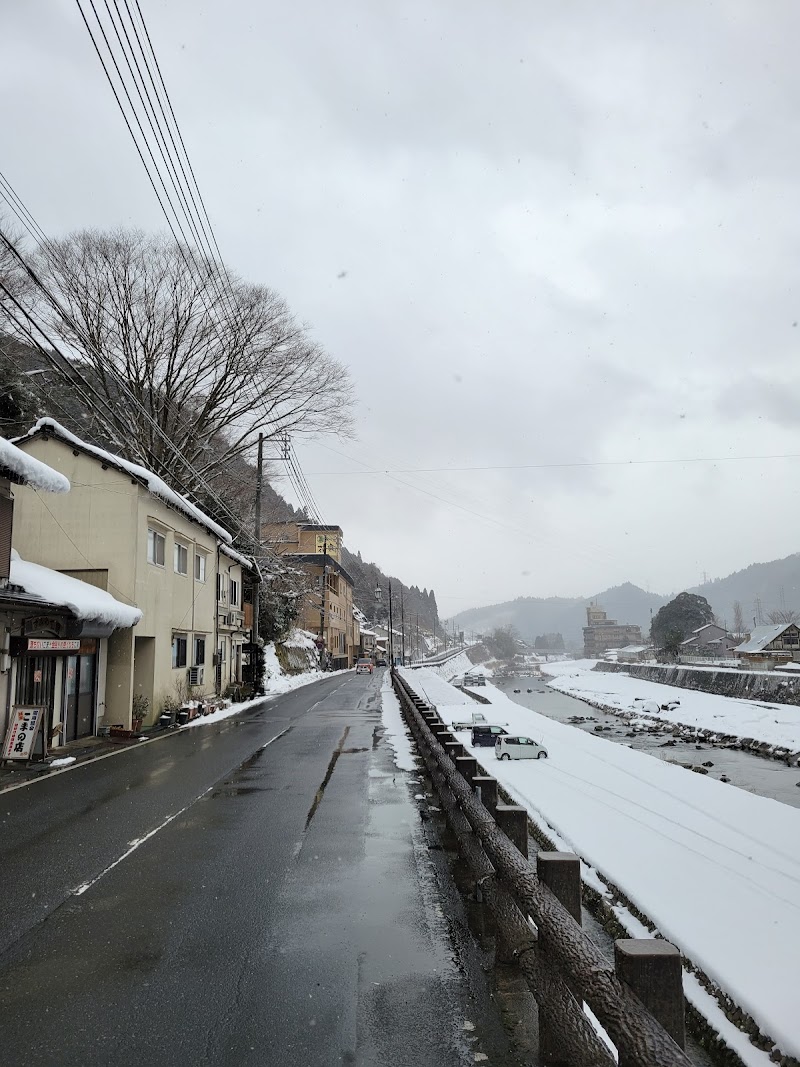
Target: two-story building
(122, 529)
(54, 628)
(771, 647)
(327, 609)
(710, 640)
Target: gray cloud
(569, 234)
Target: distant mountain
(774, 585)
(566, 615)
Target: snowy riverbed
(773, 724)
(713, 867)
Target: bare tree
(738, 618)
(783, 615)
(211, 364)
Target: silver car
(509, 747)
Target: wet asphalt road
(282, 910)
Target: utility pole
(402, 627)
(391, 632)
(418, 655)
(324, 589)
(259, 490)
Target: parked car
(364, 666)
(519, 748)
(474, 679)
(486, 735)
(381, 662)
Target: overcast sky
(538, 234)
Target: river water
(767, 778)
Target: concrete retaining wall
(753, 685)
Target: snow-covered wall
(754, 685)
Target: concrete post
(651, 967)
(513, 821)
(488, 791)
(453, 748)
(561, 873)
(467, 767)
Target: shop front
(58, 670)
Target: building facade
(601, 633)
(54, 629)
(123, 530)
(327, 609)
(771, 647)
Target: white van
(518, 748)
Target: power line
(550, 466)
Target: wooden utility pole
(259, 490)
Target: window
(234, 593)
(199, 652)
(178, 650)
(181, 559)
(222, 589)
(155, 547)
(222, 652)
(199, 567)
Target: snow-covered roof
(231, 552)
(634, 648)
(84, 600)
(154, 484)
(761, 637)
(30, 471)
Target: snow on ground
(84, 600)
(775, 724)
(427, 683)
(451, 668)
(715, 868)
(396, 733)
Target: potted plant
(139, 710)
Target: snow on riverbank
(774, 724)
(715, 868)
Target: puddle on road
(312, 811)
(754, 774)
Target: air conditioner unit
(196, 675)
(232, 619)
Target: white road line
(139, 841)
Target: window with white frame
(199, 651)
(181, 558)
(222, 589)
(234, 593)
(179, 649)
(222, 652)
(156, 543)
(199, 567)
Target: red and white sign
(51, 644)
(25, 721)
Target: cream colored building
(234, 617)
(123, 530)
(328, 607)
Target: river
(765, 777)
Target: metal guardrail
(537, 914)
